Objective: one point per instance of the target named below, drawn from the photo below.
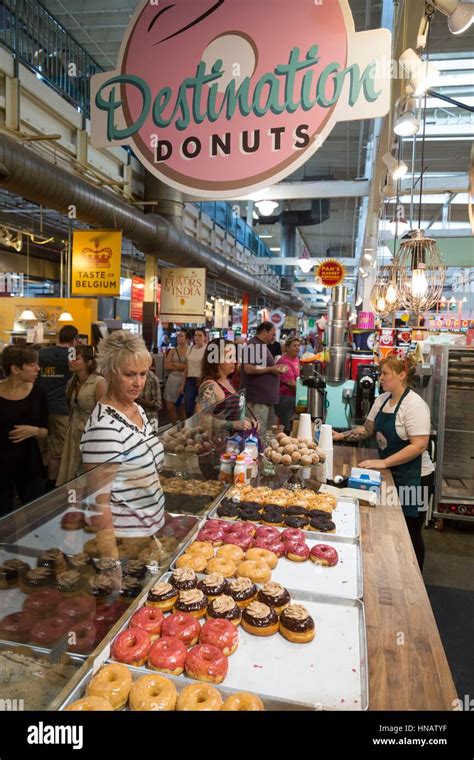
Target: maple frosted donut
(205, 662)
(224, 607)
(167, 655)
(262, 554)
(242, 701)
(89, 704)
(221, 566)
(131, 647)
(230, 551)
(296, 624)
(274, 595)
(296, 551)
(112, 683)
(205, 548)
(153, 693)
(149, 619)
(194, 561)
(184, 579)
(199, 697)
(182, 626)
(257, 570)
(260, 619)
(324, 555)
(243, 591)
(220, 633)
(213, 585)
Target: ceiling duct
(25, 173)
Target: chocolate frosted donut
(162, 592)
(296, 618)
(250, 505)
(274, 595)
(274, 508)
(136, 568)
(103, 585)
(296, 521)
(322, 525)
(107, 565)
(227, 503)
(242, 590)
(69, 581)
(213, 585)
(259, 615)
(290, 511)
(131, 587)
(272, 518)
(184, 579)
(320, 513)
(191, 601)
(224, 608)
(250, 514)
(230, 511)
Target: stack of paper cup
(326, 445)
(304, 428)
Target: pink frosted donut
(293, 534)
(325, 555)
(217, 524)
(296, 551)
(264, 531)
(277, 547)
(245, 542)
(246, 528)
(214, 536)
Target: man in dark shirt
(275, 348)
(53, 379)
(260, 375)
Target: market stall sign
(223, 98)
(291, 322)
(277, 317)
(96, 262)
(183, 295)
(137, 299)
(330, 273)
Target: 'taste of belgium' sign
(223, 97)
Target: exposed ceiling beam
(323, 189)
(279, 261)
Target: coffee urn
(312, 380)
(336, 336)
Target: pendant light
(384, 299)
(65, 316)
(460, 14)
(407, 123)
(27, 315)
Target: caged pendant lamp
(384, 297)
(420, 272)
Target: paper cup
(325, 437)
(305, 431)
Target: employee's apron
(407, 477)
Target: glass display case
(68, 576)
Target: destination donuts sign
(219, 98)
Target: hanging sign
(291, 322)
(220, 98)
(277, 317)
(96, 262)
(330, 273)
(183, 295)
(137, 299)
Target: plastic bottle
(241, 470)
(227, 468)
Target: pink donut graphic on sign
(223, 97)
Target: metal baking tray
(344, 580)
(329, 673)
(346, 517)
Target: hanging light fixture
(27, 316)
(396, 167)
(460, 14)
(420, 273)
(422, 74)
(266, 208)
(407, 123)
(384, 299)
(306, 265)
(65, 316)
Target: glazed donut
(293, 534)
(296, 624)
(194, 561)
(239, 539)
(296, 551)
(221, 566)
(182, 626)
(149, 619)
(257, 570)
(262, 554)
(167, 655)
(112, 683)
(204, 548)
(220, 633)
(242, 701)
(131, 647)
(230, 551)
(184, 579)
(77, 607)
(205, 662)
(199, 696)
(49, 631)
(264, 531)
(89, 704)
(73, 521)
(17, 626)
(325, 555)
(153, 693)
(43, 603)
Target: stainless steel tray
(329, 673)
(344, 580)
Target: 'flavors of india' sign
(223, 97)
(183, 295)
(96, 261)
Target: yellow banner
(96, 262)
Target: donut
(262, 554)
(220, 633)
(69, 583)
(321, 525)
(77, 608)
(112, 683)
(293, 534)
(257, 570)
(81, 562)
(243, 591)
(228, 511)
(184, 578)
(103, 586)
(272, 519)
(35, 579)
(205, 662)
(274, 595)
(49, 631)
(231, 551)
(242, 701)
(224, 607)
(204, 548)
(325, 555)
(182, 626)
(213, 585)
(84, 634)
(260, 619)
(296, 551)
(10, 572)
(251, 514)
(277, 547)
(54, 559)
(153, 693)
(193, 601)
(167, 655)
(149, 619)
(43, 603)
(17, 626)
(244, 529)
(194, 562)
(219, 524)
(108, 614)
(239, 539)
(130, 588)
(89, 704)
(162, 595)
(215, 536)
(296, 510)
(199, 697)
(296, 521)
(135, 568)
(221, 566)
(73, 521)
(131, 647)
(266, 531)
(296, 624)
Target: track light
(306, 265)
(422, 74)
(407, 123)
(367, 257)
(460, 14)
(266, 208)
(397, 168)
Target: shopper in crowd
(193, 373)
(287, 403)
(175, 365)
(216, 390)
(23, 422)
(400, 420)
(260, 376)
(83, 391)
(119, 433)
(275, 348)
(165, 342)
(55, 374)
(150, 398)
(304, 347)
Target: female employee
(400, 420)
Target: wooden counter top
(408, 669)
